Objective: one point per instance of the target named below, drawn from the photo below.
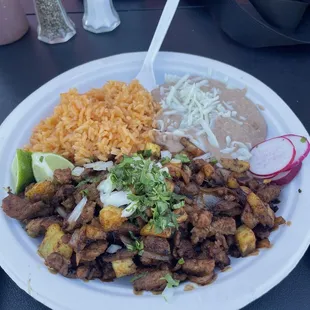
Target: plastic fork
(146, 75)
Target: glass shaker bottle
(100, 16)
(54, 25)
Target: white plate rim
(183, 299)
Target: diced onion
(61, 212)
(75, 214)
(165, 169)
(116, 199)
(106, 186)
(159, 165)
(113, 248)
(100, 165)
(77, 171)
(164, 154)
(130, 210)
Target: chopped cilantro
(132, 235)
(181, 261)
(299, 190)
(84, 192)
(147, 153)
(147, 183)
(303, 140)
(213, 161)
(41, 159)
(136, 246)
(170, 281)
(165, 160)
(183, 158)
(138, 276)
(89, 180)
(178, 205)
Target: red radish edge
(287, 176)
(266, 176)
(299, 156)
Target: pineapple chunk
(232, 182)
(181, 215)
(170, 185)
(235, 165)
(245, 239)
(208, 170)
(52, 243)
(110, 218)
(149, 230)
(154, 148)
(124, 267)
(42, 190)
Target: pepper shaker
(54, 25)
(13, 21)
(100, 16)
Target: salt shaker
(13, 21)
(100, 16)
(54, 25)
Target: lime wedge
(44, 165)
(21, 171)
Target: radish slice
(302, 147)
(286, 177)
(272, 156)
(265, 177)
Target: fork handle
(161, 30)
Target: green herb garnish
(147, 183)
(147, 153)
(178, 205)
(136, 246)
(170, 281)
(165, 160)
(41, 159)
(213, 161)
(89, 180)
(183, 158)
(181, 261)
(303, 140)
(84, 192)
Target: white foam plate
(248, 279)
